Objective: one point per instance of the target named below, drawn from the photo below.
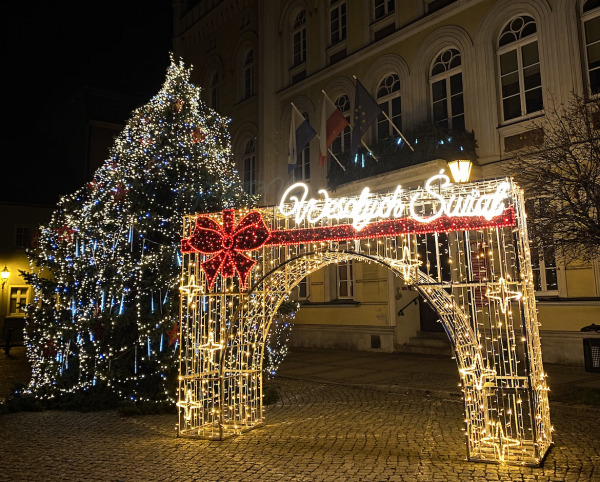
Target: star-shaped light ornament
(173, 334)
(65, 233)
(499, 442)
(188, 405)
(503, 295)
(210, 345)
(480, 375)
(191, 288)
(407, 264)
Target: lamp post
(460, 169)
(5, 274)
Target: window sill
(382, 23)
(338, 47)
(243, 102)
(515, 122)
(297, 68)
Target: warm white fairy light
(497, 349)
(106, 274)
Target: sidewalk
(436, 376)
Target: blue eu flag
(366, 110)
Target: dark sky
(50, 50)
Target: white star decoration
(499, 442)
(478, 373)
(191, 288)
(211, 346)
(188, 405)
(503, 295)
(407, 264)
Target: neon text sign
(423, 205)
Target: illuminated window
(18, 300)
(520, 76)
(342, 142)
(249, 74)
(337, 24)
(447, 104)
(388, 97)
(591, 37)
(250, 167)
(214, 91)
(299, 38)
(383, 8)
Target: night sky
(51, 49)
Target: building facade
(481, 66)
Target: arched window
(299, 38)
(520, 76)
(342, 142)
(302, 170)
(249, 162)
(388, 98)
(447, 104)
(249, 74)
(214, 91)
(591, 38)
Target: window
(345, 274)
(342, 142)
(249, 74)
(388, 98)
(543, 259)
(520, 76)
(18, 301)
(383, 8)
(591, 33)
(302, 170)
(22, 237)
(303, 288)
(435, 5)
(250, 167)
(214, 91)
(337, 15)
(299, 38)
(447, 104)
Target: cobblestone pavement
(316, 432)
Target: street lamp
(460, 169)
(5, 275)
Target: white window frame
(446, 76)
(248, 72)
(301, 30)
(351, 279)
(343, 25)
(542, 267)
(27, 297)
(305, 281)
(249, 186)
(388, 98)
(386, 8)
(518, 45)
(586, 17)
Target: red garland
(227, 243)
(252, 233)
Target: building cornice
(378, 47)
(211, 20)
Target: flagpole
(351, 126)
(393, 125)
(318, 137)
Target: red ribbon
(227, 244)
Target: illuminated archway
(240, 266)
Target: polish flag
(332, 125)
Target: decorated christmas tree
(106, 273)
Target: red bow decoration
(227, 243)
